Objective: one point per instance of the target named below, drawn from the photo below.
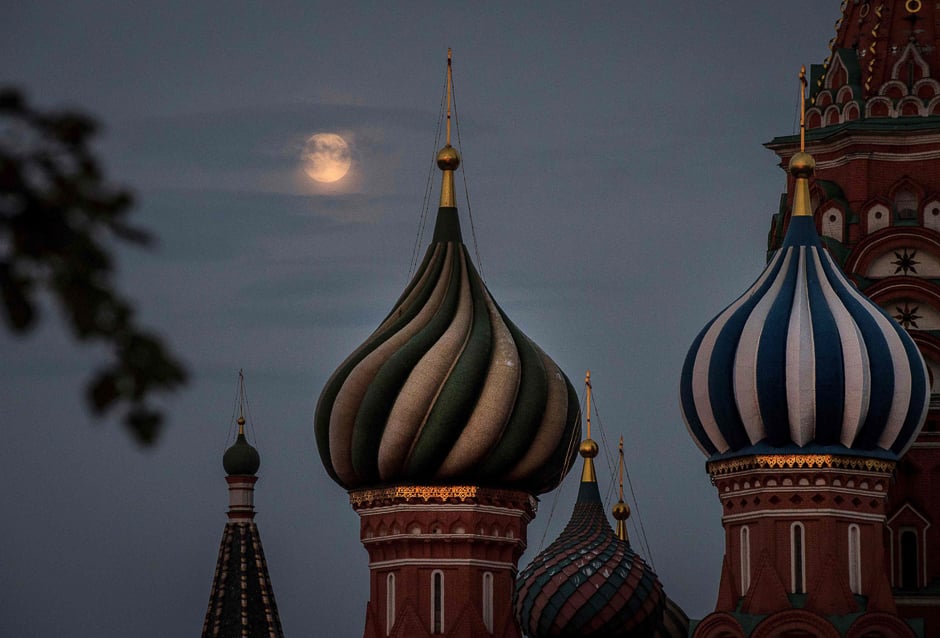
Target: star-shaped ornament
(908, 316)
(905, 261)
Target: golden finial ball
(621, 511)
(448, 159)
(588, 449)
(802, 164)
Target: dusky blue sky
(620, 196)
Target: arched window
(745, 559)
(855, 560)
(488, 601)
(905, 205)
(909, 559)
(389, 603)
(798, 558)
(437, 602)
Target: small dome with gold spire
(589, 582)
(241, 459)
(447, 390)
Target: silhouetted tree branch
(56, 215)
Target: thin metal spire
(450, 82)
(588, 448)
(802, 108)
(621, 467)
(241, 402)
(802, 165)
(448, 159)
(621, 510)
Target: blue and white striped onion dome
(447, 390)
(804, 362)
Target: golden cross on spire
(621, 467)
(802, 163)
(241, 402)
(450, 80)
(802, 108)
(447, 158)
(621, 510)
(587, 385)
(588, 449)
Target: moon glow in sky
(326, 157)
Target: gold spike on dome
(588, 448)
(621, 510)
(448, 159)
(802, 165)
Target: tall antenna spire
(447, 158)
(621, 510)
(802, 164)
(588, 449)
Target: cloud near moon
(326, 158)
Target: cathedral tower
(803, 394)
(873, 125)
(241, 602)
(443, 426)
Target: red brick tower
(804, 394)
(873, 119)
(241, 601)
(443, 426)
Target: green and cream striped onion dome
(447, 390)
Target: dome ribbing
(803, 362)
(589, 582)
(447, 390)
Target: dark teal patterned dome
(588, 583)
(448, 390)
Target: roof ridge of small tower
(767, 593)
(831, 590)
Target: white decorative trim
(389, 603)
(764, 489)
(842, 98)
(830, 110)
(908, 506)
(872, 102)
(488, 601)
(881, 157)
(910, 51)
(442, 562)
(901, 86)
(926, 601)
(855, 559)
(745, 543)
(440, 507)
(437, 614)
(794, 576)
(446, 537)
(910, 99)
(796, 513)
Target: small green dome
(242, 458)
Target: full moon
(326, 157)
